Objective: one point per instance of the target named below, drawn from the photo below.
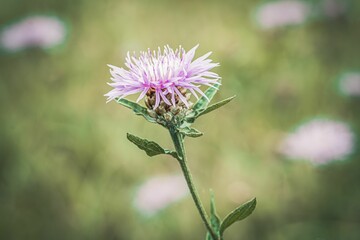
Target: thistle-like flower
(164, 77)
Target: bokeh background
(68, 172)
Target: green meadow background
(68, 172)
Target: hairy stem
(180, 149)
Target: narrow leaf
(238, 214)
(216, 105)
(208, 236)
(151, 148)
(138, 109)
(191, 132)
(202, 103)
(214, 218)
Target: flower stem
(180, 149)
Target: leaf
(172, 153)
(214, 218)
(138, 109)
(202, 103)
(151, 148)
(209, 237)
(238, 214)
(191, 132)
(216, 105)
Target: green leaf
(138, 109)
(151, 148)
(209, 237)
(202, 103)
(216, 105)
(238, 214)
(191, 132)
(214, 218)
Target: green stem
(180, 149)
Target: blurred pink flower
(35, 31)
(159, 192)
(166, 72)
(319, 141)
(350, 84)
(282, 13)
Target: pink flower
(282, 13)
(158, 192)
(167, 74)
(35, 31)
(319, 141)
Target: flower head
(319, 141)
(163, 76)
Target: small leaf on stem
(216, 105)
(151, 148)
(238, 214)
(214, 218)
(209, 237)
(203, 102)
(191, 132)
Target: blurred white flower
(282, 13)
(35, 31)
(350, 84)
(159, 192)
(319, 141)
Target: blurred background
(289, 138)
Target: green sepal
(202, 102)
(214, 218)
(216, 105)
(138, 109)
(238, 214)
(151, 148)
(190, 132)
